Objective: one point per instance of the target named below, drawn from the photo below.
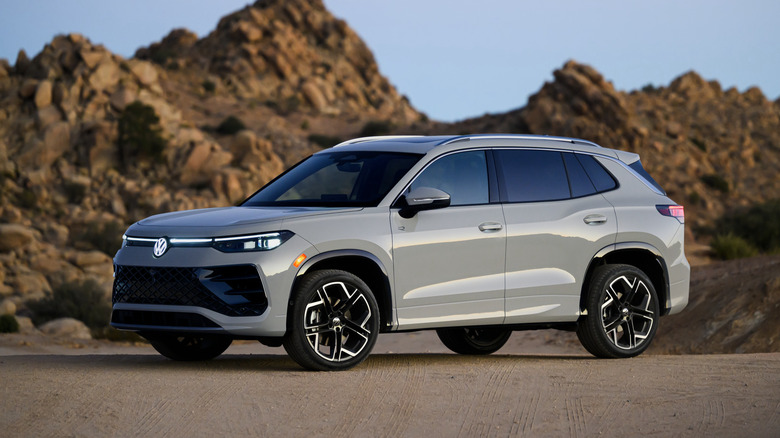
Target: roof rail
(376, 137)
(518, 137)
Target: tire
(189, 347)
(474, 340)
(622, 312)
(333, 322)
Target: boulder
(144, 71)
(29, 87)
(7, 307)
(14, 236)
(43, 94)
(105, 76)
(66, 328)
(121, 98)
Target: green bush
(716, 182)
(730, 247)
(324, 141)
(140, 135)
(8, 324)
(27, 199)
(84, 301)
(375, 127)
(231, 125)
(209, 86)
(695, 198)
(759, 225)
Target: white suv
(473, 236)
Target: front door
(449, 263)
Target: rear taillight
(675, 211)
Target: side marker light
(299, 260)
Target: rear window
(599, 176)
(638, 168)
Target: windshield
(336, 179)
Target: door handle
(489, 227)
(595, 219)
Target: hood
(213, 222)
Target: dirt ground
(537, 385)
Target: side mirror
(423, 198)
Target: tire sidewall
(295, 341)
(598, 338)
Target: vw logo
(160, 247)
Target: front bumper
(202, 290)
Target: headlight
(255, 242)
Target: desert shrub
(305, 125)
(162, 55)
(694, 197)
(324, 141)
(648, 88)
(83, 300)
(27, 199)
(209, 86)
(8, 324)
(729, 247)
(716, 182)
(75, 192)
(375, 127)
(759, 225)
(140, 135)
(231, 125)
(102, 236)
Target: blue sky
(456, 59)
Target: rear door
(556, 221)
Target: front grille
(161, 319)
(229, 290)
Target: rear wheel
(333, 323)
(474, 340)
(189, 347)
(623, 312)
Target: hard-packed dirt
(433, 395)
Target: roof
(423, 144)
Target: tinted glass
(463, 176)
(529, 176)
(637, 166)
(579, 183)
(601, 179)
(336, 179)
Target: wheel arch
(640, 255)
(362, 264)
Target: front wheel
(189, 347)
(622, 312)
(333, 323)
(474, 340)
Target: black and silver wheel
(474, 340)
(333, 323)
(622, 312)
(188, 347)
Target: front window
(336, 179)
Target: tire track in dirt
(479, 420)
(525, 414)
(391, 404)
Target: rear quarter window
(599, 176)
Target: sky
(455, 59)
